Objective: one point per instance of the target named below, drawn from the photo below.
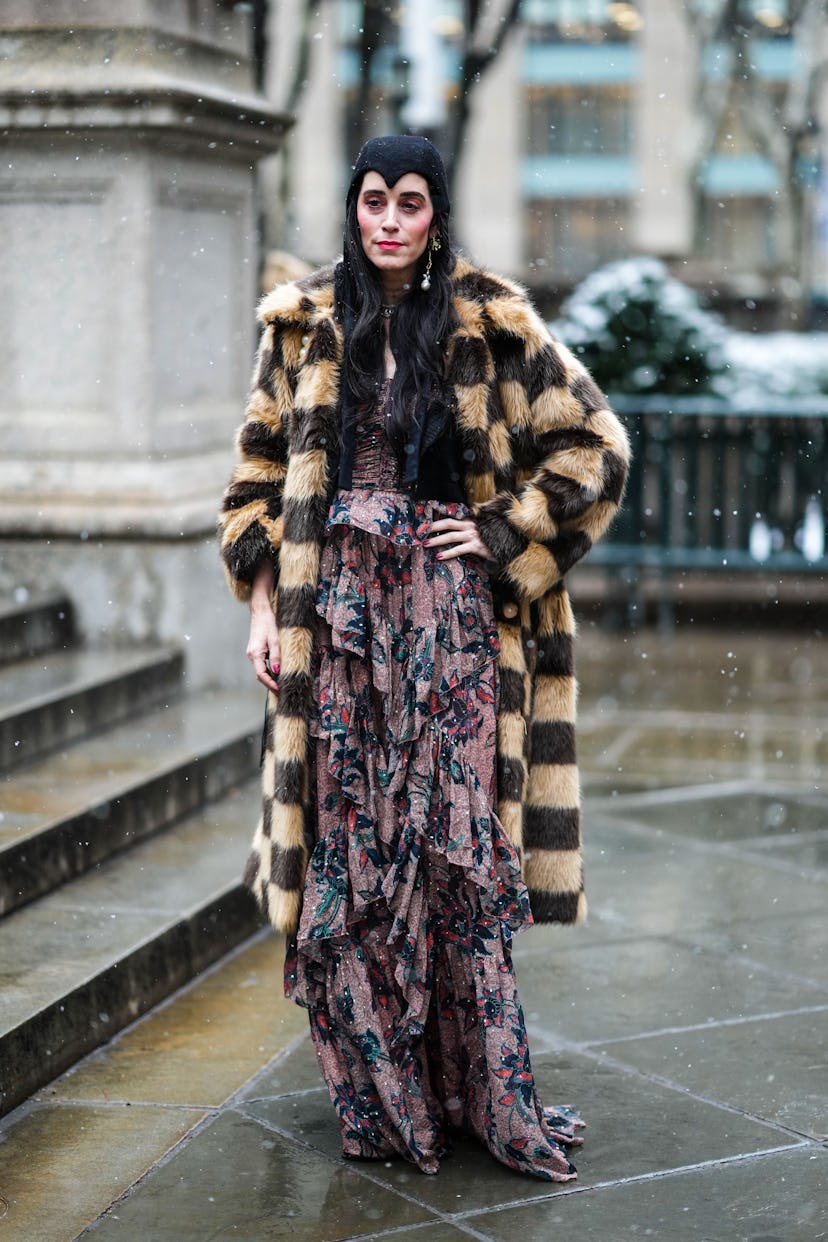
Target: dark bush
(639, 330)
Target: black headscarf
(394, 155)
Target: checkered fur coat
(546, 467)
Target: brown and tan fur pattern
(546, 467)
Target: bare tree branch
(370, 40)
(303, 50)
(801, 98)
(485, 54)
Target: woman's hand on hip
(263, 649)
(456, 537)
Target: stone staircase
(126, 809)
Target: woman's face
(394, 223)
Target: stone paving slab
(793, 944)
(444, 1232)
(638, 764)
(198, 1048)
(78, 1145)
(648, 883)
(287, 1075)
(239, 1179)
(60, 1165)
(762, 745)
(776, 1067)
(808, 854)
(651, 983)
(739, 812)
(703, 671)
(778, 1198)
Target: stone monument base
(128, 226)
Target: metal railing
(721, 489)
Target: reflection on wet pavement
(687, 1018)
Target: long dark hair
(419, 328)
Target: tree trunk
(483, 40)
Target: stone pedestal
(127, 291)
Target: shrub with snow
(639, 330)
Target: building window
(568, 238)
(738, 232)
(770, 17)
(734, 136)
(574, 120)
(589, 20)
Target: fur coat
(545, 463)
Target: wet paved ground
(688, 1019)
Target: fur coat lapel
(546, 467)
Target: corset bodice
(375, 461)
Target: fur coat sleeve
(568, 455)
(251, 522)
(547, 464)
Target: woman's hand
(263, 649)
(457, 537)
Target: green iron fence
(719, 489)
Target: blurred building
(145, 172)
(581, 145)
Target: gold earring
(425, 283)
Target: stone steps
(85, 960)
(50, 699)
(126, 811)
(32, 625)
(77, 807)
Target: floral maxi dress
(413, 891)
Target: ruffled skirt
(413, 891)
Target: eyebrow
(403, 193)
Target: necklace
(387, 311)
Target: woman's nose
(390, 219)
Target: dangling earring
(425, 283)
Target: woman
(420, 465)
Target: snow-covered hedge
(767, 365)
(639, 330)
